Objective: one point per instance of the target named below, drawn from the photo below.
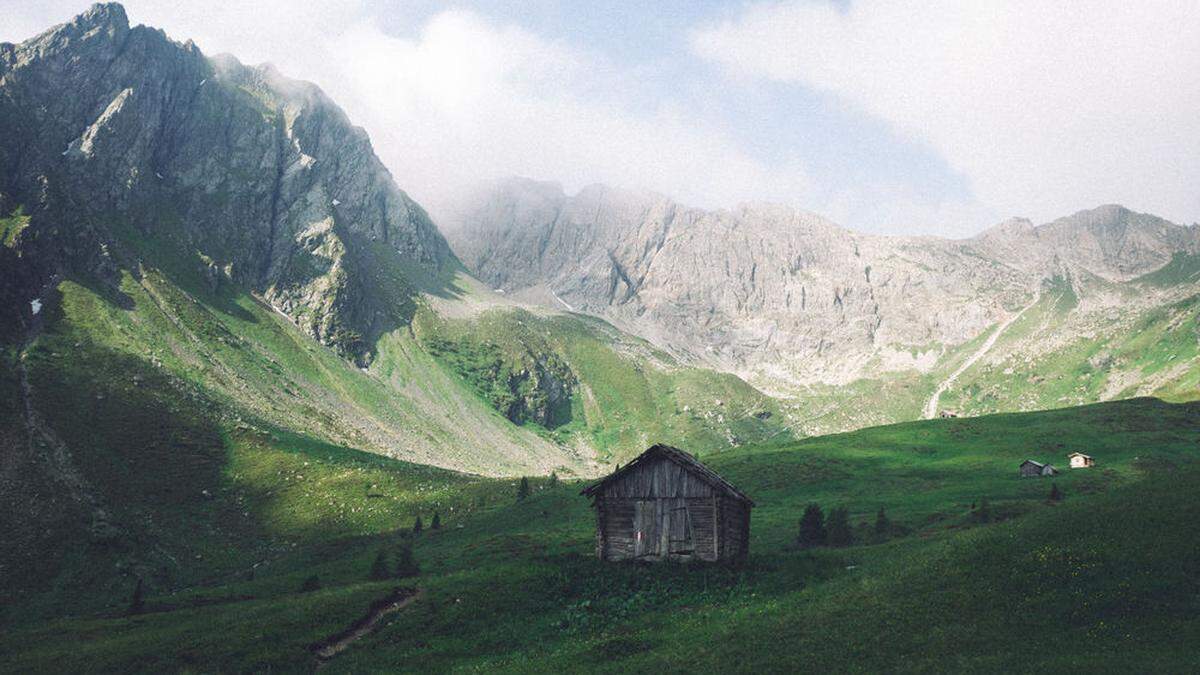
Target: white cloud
(454, 98)
(466, 100)
(1046, 107)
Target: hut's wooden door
(647, 533)
(662, 527)
(681, 541)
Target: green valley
(512, 585)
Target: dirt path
(336, 644)
(931, 408)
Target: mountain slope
(1107, 576)
(797, 304)
(263, 177)
(203, 266)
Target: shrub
(523, 489)
(436, 523)
(379, 568)
(812, 527)
(839, 532)
(311, 584)
(137, 604)
(1056, 495)
(406, 564)
(553, 479)
(883, 526)
(418, 526)
(984, 513)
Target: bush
(1056, 495)
(311, 584)
(839, 532)
(406, 564)
(984, 513)
(418, 526)
(379, 568)
(436, 523)
(812, 527)
(883, 526)
(137, 604)
(523, 489)
(553, 479)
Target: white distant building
(1080, 461)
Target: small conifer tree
(311, 584)
(812, 527)
(839, 532)
(883, 526)
(379, 568)
(523, 489)
(436, 523)
(984, 514)
(406, 564)
(137, 604)
(553, 479)
(418, 526)
(1055, 494)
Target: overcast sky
(895, 116)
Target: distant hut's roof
(681, 458)
(1078, 454)
(1030, 461)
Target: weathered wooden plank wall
(661, 510)
(658, 480)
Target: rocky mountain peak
(260, 175)
(765, 287)
(1013, 227)
(109, 17)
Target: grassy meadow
(1106, 579)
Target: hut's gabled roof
(1030, 461)
(681, 458)
(1078, 454)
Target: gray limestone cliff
(115, 140)
(784, 293)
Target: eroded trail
(335, 644)
(931, 408)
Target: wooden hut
(666, 505)
(1030, 469)
(1080, 461)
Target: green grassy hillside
(621, 394)
(1105, 579)
(1154, 351)
(162, 426)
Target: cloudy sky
(896, 116)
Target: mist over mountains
(785, 295)
(240, 369)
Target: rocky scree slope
(785, 296)
(110, 132)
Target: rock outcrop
(112, 137)
(784, 294)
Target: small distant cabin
(1081, 461)
(666, 505)
(1031, 469)
(947, 414)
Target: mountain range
(237, 360)
(799, 305)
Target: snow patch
(35, 305)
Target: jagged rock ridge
(782, 293)
(104, 125)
